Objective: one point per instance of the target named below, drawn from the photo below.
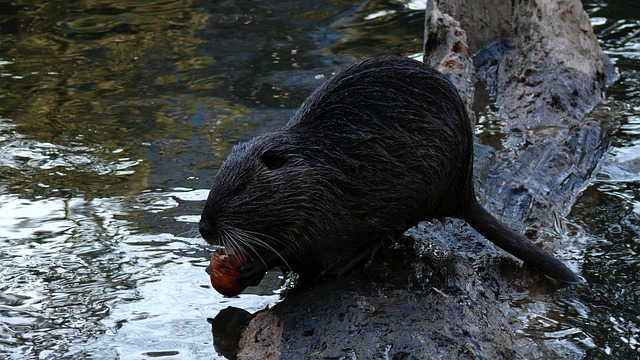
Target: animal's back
(403, 130)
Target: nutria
(384, 144)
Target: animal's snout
(206, 231)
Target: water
(115, 115)
(607, 216)
(603, 320)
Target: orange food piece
(224, 271)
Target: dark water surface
(115, 115)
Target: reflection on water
(115, 115)
(113, 118)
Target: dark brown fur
(383, 145)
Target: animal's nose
(207, 231)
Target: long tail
(519, 246)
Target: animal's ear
(272, 160)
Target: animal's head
(273, 197)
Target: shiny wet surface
(115, 115)
(604, 321)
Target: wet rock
(484, 22)
(227, 328)
(555, 70)
(385, 313)
(446, 49)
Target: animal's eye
(240, 188)
(272, 160)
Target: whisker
(229, 242)
(191, 233)
(238, 243)
(250, 243)
(255, 240)
(257, 236)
